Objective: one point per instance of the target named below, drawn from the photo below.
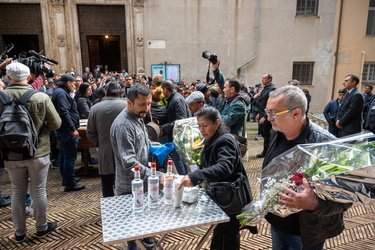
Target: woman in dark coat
(221, 158)
(83, 101)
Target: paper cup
(177, 194)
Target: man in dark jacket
(234, 109)
(67, 134)
(370, 119)
(369, 97)
(261, 102)
(177, 109)
(319, 219)
(350, 113)
(330, 112)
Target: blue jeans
(177, 160)
(286, 241)
(67, 156)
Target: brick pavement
(78, 214)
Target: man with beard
(130, 144)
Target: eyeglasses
(275, 115)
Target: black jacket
(327, 220)
(66, 106)
(368, 100)
(177, 109)
(370, 121)
(261, 102)
(221, 159)
(350, 113)
(83, 106)
(159, 113)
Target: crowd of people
(118, 106)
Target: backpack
(18, 136)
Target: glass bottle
(168, 184)
(137, 190)
(153, 187)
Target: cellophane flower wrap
(342, 171)
(188, 141)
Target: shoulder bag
(230, 196)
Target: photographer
(234, 108)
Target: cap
(65, 78)
(201, 87)
(194, 97)
(251, 87)
(17, 71)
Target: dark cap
(65, 78)
(201, 87)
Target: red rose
(296, 179)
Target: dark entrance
(22, 26)
(95, 23)
(21, 43)
(105, 51)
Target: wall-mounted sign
(156, 44)
(168, 71)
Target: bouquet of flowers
(188, 141)
(341, 170)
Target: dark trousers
(67, 157)
(108, 182)
(227, 235)
(265, 131)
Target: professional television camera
(36, 62)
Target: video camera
(35, 62)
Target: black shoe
(75, 178)
(253, 230)
(75, 187)
(4, 202)
(261, 155)
(19, 238)
(148, 243)
(50, 226)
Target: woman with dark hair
(83, 100)
(84, 104)
(221, 160)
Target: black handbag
(230, 196)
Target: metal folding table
(120, 223)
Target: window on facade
(370, 31)
(307, 7)
(368, 74)
(303, 72)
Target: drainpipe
(255, 41)
(337, 52)
(361, 72)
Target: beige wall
(354, 44)
(227, 28)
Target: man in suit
(350, 113)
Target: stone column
(138, 6)
(75, 37)
(59, 34)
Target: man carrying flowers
(319, 219)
